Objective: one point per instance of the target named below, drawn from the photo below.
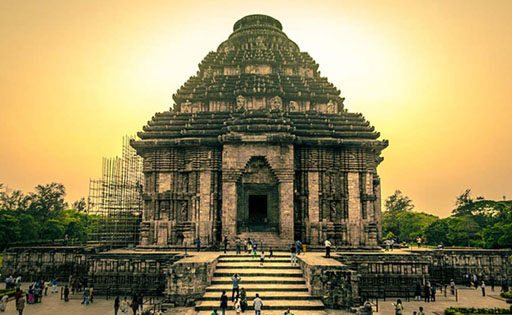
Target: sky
(434, 78)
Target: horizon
(79, 76)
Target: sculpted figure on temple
(240, 102)
(183, 211)
(276, 103)
(330, 107)
(186, 106)
(294, 106)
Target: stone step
(261, 280)
(267, 265)
(250, 255)
(255, 259)
(259, 287)
(269, 295)
(267, 305)
(257, 272)
(271, 312)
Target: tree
(398, 202)
(463, 203)
(80, 205)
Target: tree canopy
(474, 222)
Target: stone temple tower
(259, 144)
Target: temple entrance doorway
(257, 198)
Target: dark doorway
(257, 209)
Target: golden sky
(434, 77)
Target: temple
(259, 143)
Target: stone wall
(449, 264)
(187, 279)
(330, 280)
(397, 273)
(35, 263)
(129, 272)
(387, 274)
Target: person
(399, 308)
(66, 293)
(198, 243)
(483, 288)
(249, 246)
(30, 295)
(257, 304)
(236, 280)
(427, 292)
(327, 249)
(237, 306)
(421, 311)
(298, 244)
(418, 240)
(288, 312)
(271, 253)
(304, 248)
(245, 245)
(293, 251)
(54, 285)
(86, 296)
(3, 302)
(116, 305)
(20, 305)
(125, 306)
(452, 286)
(45, 285)
(140, 301)
(225, 244)
(433, 291)
(134, 305)
(237, 246)
(214, 312)
(262, 258)
(18, 281)
(91, 294)
(391, 243)
(504, 285)
(223, 302)
(243, 300)
(254, 249)
(18, 294)
(417, 292)
(492, 283)
(37, 293)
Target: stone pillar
(286, 209)
(313, 208)
(229, 209)
(354, 209)
(204, 222)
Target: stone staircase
(278, 283)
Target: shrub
(473, 310)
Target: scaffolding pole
(115, 200)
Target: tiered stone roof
(258, 86)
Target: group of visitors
(13, 281)
(19, 298)
(136, 304)
(399, 308)
(429, 292)
(239, 303)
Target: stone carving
(186, 107)
(240, 103)
(276, 104)
(294, 106)
(184, 211)
(330, 107)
